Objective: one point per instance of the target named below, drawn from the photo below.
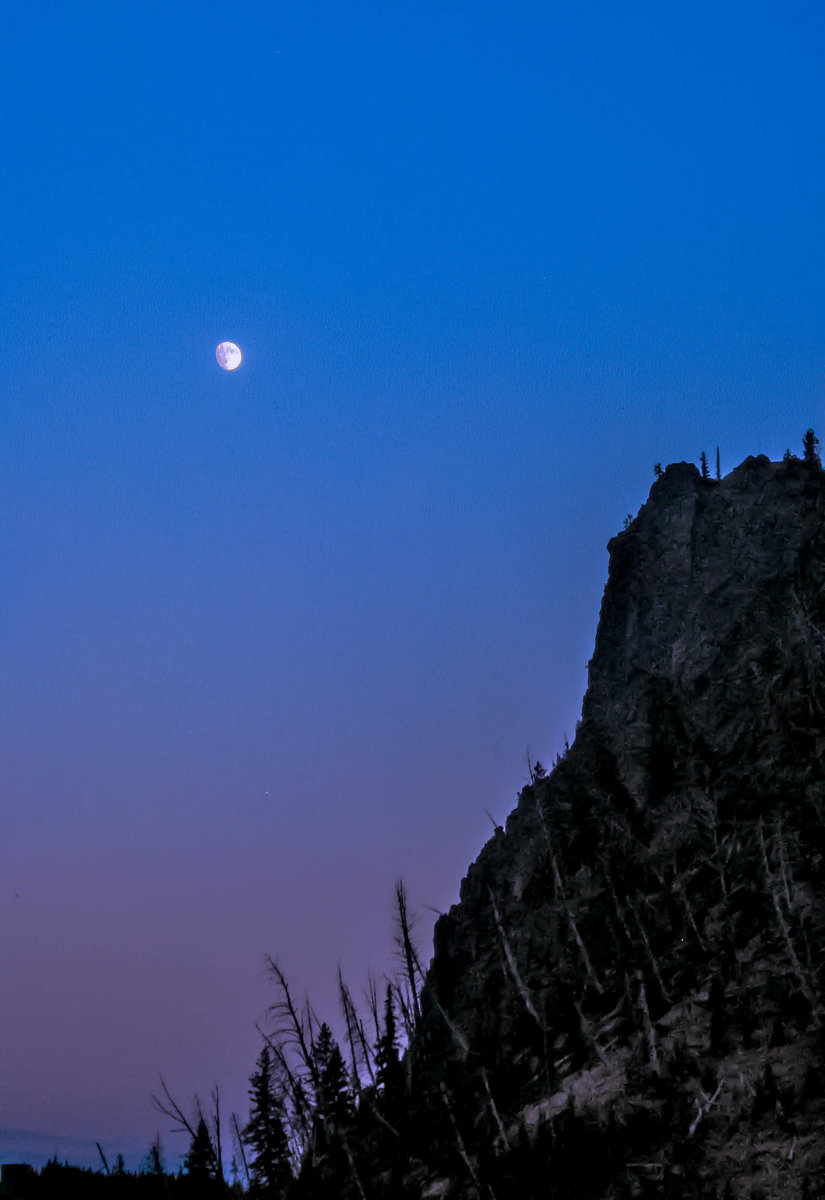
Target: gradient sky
(271, 639)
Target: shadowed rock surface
(628, 999)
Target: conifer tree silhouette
(810, 446)
(389, 1073)
(264, 1134)
(200, 1163)
(333, 1098)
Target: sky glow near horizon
(270, 639)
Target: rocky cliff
(628, 999)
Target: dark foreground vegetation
(368, 1122)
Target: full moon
(229, 356)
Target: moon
(229, 356)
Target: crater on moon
(229, 356)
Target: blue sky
(271, 639)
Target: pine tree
(703, 459)
(333, 1098)
(154, 1158)
(264, 1134)
(408, 954)
(718, 467)
(200, 1162)
(389, 1073)
(810, 446)
(328, 1172)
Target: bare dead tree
(530, 772)
(616, 902)
(676, 884)
(311, 1019)
(784, 871)
(707, 813)
(589, 1034)
(360, 1053)
(291, 1027)
(458, 1037)
(215, 1121)
(704, 1106)
(502, 1132)
(238, 1138)
(409, 954)
(169, 1107)
(383, 1121)
(521, 986)
(653, 961)
(566, 903)
(802, 975)
(792, 898)
(648, 1024)
(371, 996)
(354, 1176)
(345, 1001)
(405, 1009)
(496, 827)
(679, 887)
(460, 1146)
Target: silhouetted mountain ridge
(34, 1147)
(637, 959)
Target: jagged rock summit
(628, 999)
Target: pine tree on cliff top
(810, 445)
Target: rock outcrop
(629, 997)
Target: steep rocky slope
(628, 998)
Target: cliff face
(636, 967)
(713, 618)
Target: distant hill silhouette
(36, 1148)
